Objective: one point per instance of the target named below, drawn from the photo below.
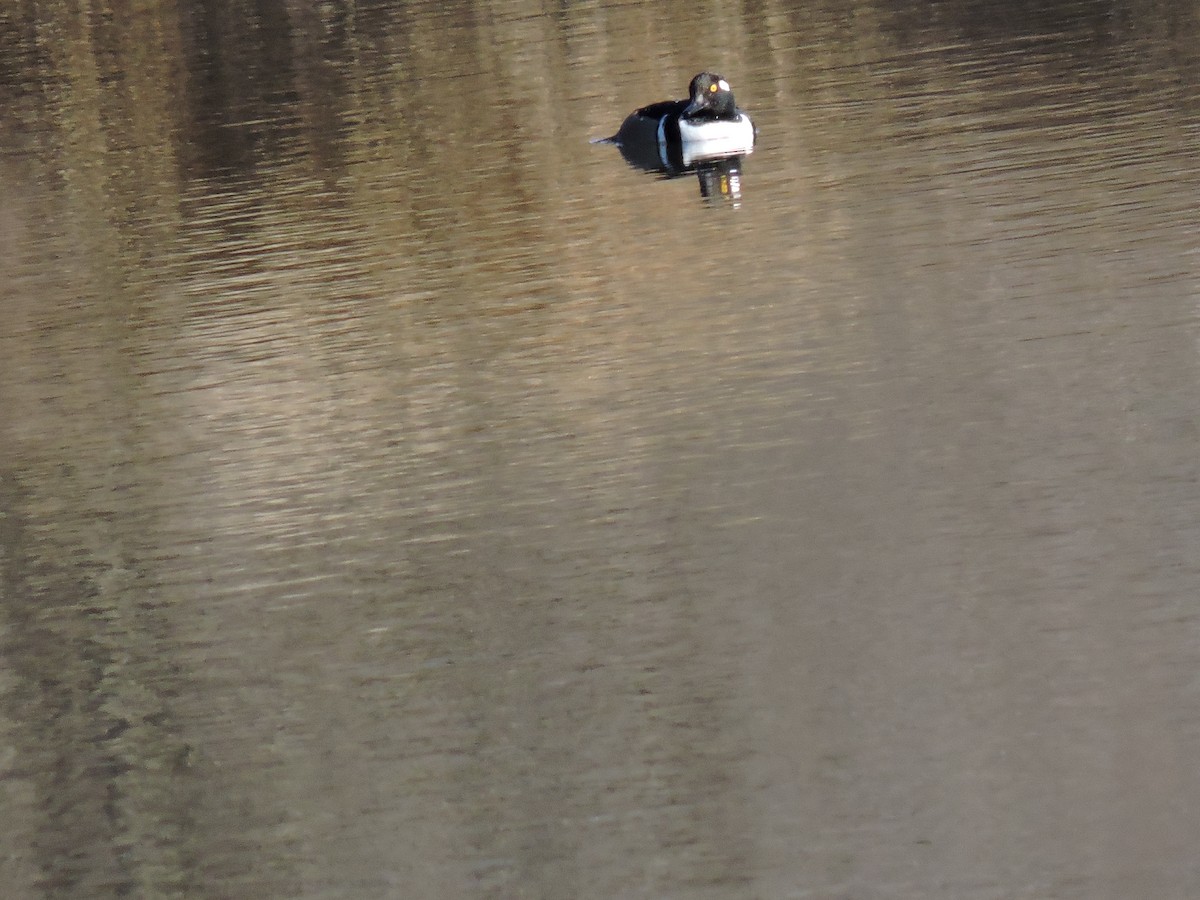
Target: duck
(678, 134)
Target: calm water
(401, 497)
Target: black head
(711, 98)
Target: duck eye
(712, 88)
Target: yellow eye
(712, 88)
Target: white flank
(714, 139)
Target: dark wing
(665, 108)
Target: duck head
(711, 98)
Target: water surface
(401, 497)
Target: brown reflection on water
(401, 497)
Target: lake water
(402, 497)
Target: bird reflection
(721, 179)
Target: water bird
(675, 135)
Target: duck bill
(694, 107)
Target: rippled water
(402, 497)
